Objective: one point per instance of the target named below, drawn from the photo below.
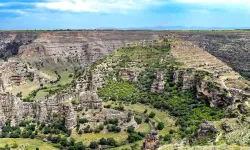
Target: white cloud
(18, 11)
(99, 5)
(214, 1)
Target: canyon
(47, 75)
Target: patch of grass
(122, 90)
(88, 137)
(26, 89)
(41, 93)
(137, 144)
(143, 127)
(30, 144)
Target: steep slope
(231, 47)
(221, 79)
(187, 81)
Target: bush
(131, 129)
(151, 115)
(14, 135)
(111, 142)
(134, 137)
(83, 120)
(15, 145)
(103, 141)
(167, 137)
(160, 126)
(70, 75)
(114, 128)
(138, 120)
(93, 145)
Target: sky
(94, 14)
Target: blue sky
(90, 14)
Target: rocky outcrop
(226, 127)
(207, 129)
(158, 84)
(14, 109)
(90, 99)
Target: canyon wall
(232, 48)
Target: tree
(103, 141)
(160, 126)
(152, 115)
(111, 142)
(83, 120)
(93, 145)
(19, 94)
(134, 137)
(131, 129)
(167, 137)
(138, 120)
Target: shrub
(134, 137)
(93, 145)
(167, 137)
(151, 115)
(70, 75)
(15, 145)
(131, 129)
(83, 120)
(160, 126)
(138, 120)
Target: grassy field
(87, 138)
(65, 79)
(138, 144)
(25, 88)
(27, 144)
(144, 127)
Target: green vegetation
(184, 105)
(118, 90)
(160, 126)
(30, 144)
(87, 138)
(62, 82)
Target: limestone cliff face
(14, 109)
(158, 84)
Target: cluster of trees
(56, 127)
(108, 141)
(31, 129)
(134, 136)
(10, 131)
(113, 128)
(56, 133)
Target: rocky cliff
(29, 52)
